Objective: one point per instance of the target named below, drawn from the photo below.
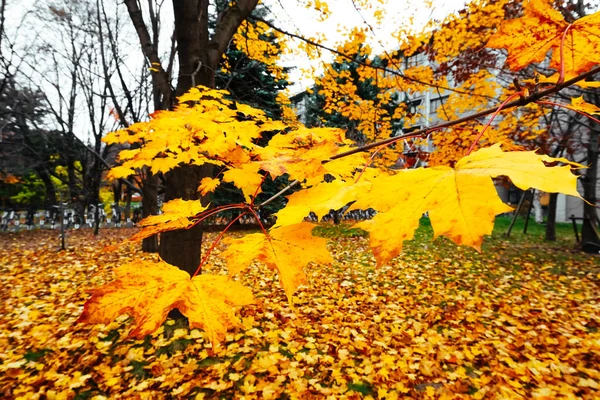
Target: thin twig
(276, 195)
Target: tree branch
(516, 103)
(159, 76)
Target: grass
(535, 231)
(532, 243)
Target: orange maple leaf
(462, 202)
(529, 39)
(287, 249)
(148, 290)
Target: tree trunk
(150, 207)
(589, 230)
(537, 207)
(182, 247)
(198, 56)
(72, 179)
(50, 197)
(551, 221)
(128, 204)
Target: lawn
(519, 320)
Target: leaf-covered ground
(519, 320)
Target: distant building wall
(569, 205)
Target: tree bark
(50, 198)
(160, 79)
(551, 221)
(589, 230)
(128, 204)
(150, 207)
(199, 56)
(182, 247)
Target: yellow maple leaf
(553, 79)
(163, 164)
(120, 171)
(177, 214)
(319, 199)
(122, 136)
(299, 153)
(148, 290)
(287, 249)
(208, 185)
(246, 178)
(529, 39)
(578, 103)
(462, 202)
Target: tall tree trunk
(128, 204)
(183, 247)
(198, 56)
(551, 221)
(150, 207)
(72, 179)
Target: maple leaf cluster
(208, 128)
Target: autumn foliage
(208, 128)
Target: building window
(413, 106)
(436, 104)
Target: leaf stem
(512, 96)
(568, 107)
(561, 77)
(262, 228)
(214, 244)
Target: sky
(293, 16)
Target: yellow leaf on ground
(148, 291)
(287, 249)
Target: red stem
(219, 209)
(212, 247)
(551, 103)
(561, 77)
(512, 96)
(262, 228)
(258, 188)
